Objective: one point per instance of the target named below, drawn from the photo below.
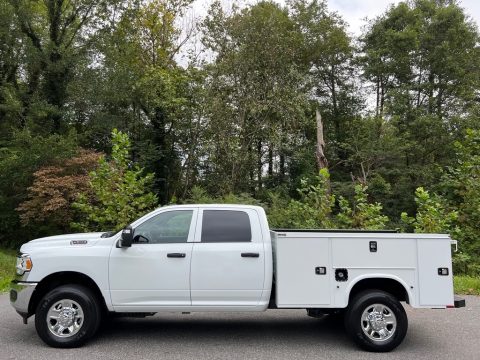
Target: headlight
(24, 264)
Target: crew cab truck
(191, 258)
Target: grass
(464, 284)
(7, 268)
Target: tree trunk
(322, 162)
(335, 111)
(282, 166)
(270, 160)
(259, 164)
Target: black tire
(354, 324)
(89, 323)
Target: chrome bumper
(20, 295)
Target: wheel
(67, 316)
(376, 321)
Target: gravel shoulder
(276, 334)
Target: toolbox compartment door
(300, 278)
(436, 290)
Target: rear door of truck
(228, 260)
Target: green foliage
(119, 193)
(432, 214)
(469, 285)
(200, 196)
(312, 210)
(363, 215)
(411, 55)
(462, 183)
(256, 108)
(20, 157)
(7, 268)
(315, 208)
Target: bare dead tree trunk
(322, 162)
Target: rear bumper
(20, 295)
(458, 302)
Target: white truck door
(155, 270)
(228, 261)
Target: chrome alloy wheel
(378, 322)
(65, 318)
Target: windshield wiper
(108, 234)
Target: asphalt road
(276, 334)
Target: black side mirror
(127, 237)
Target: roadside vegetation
(7, 268)
(469, 285)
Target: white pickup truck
(225, 258)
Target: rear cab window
(221, 226)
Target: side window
(226, 226)
(167, 227)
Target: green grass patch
(7, 268)
(466, 285)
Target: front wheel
(67, 316)
(376, 321)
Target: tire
(73, 308)
(376, 321)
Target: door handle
(254, 255)
(176, 255)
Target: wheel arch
(60, 278)
(388, 283)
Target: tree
(432, 214)
(363, 215)
(328, 53)
(11, 56)
(55, 42)
(256, 97)
(312, 210)
(144, 92)
(25, 154)
(410, 54)
(461, 183)
(54, 189)
(119, 194)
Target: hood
(81, 239)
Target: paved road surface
(276, 334)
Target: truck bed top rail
(336, 230)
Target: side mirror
(127, 237)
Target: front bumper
(20, 295)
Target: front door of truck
(228, 262)
(155, 271)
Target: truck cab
(214, 258)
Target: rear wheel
(67, 316)
(376, 321)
